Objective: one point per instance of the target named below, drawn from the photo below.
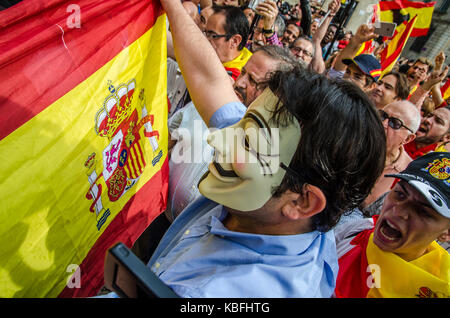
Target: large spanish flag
(399, 11)
(83, 140)
(393, 50)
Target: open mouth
(389, 232)
(423, 129)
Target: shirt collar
(265, 244)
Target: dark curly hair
(342, 148)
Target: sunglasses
(393, 122)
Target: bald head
(192, 10)
(407, 112)
(409, 116)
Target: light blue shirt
(199, 257)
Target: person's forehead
(421, 65)
(303, 44)
(413, 193)
(390, 79)
(398, 110)
(444, 114)
(293, 28)
(332, 28)
(216, 22)
(259, 64)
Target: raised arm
(436, 89)
(317, 62)
(305, 23)
(206, 79)
(363, 34)
(422, 91)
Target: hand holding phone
(129, 277)
(385, 28)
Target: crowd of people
(308, 173)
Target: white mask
(246, 167)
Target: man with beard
(291, 33)
(433, 130)
(395, 254)
(303, 48)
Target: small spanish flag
(393, 50)
(445, 89)
(366, 48)
(83, 139)
(399, 11)
(235, 66)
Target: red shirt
(414, 152)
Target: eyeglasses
(214, 35)
(298, 50)
(393, 122)
(420, 70)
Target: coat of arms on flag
(124, 121)
(83, 140)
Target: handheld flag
(83, 140)
(399, 11)
(393, 50)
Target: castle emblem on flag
(125, 122)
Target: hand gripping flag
(393, 50)
(83, 140)
(399, 11)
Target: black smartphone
(129, 277)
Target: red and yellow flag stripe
(445, 89)
(81, 165)
(393, 50)
(423, 11)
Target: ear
(235, 40)
(445, 138)
(370, 87)
(445, 236)
(304, 205)
(410, 138)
